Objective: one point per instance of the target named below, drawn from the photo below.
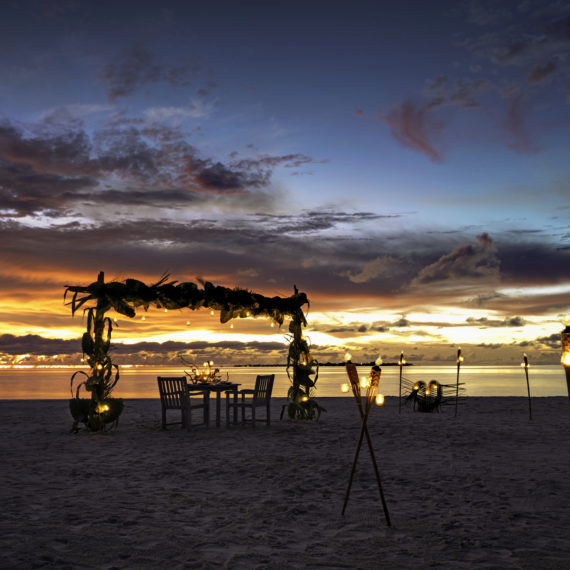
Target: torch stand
(566, 356)
(364, 411)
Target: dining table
(217, 388)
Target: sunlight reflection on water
(140, 382)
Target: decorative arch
(125, 297)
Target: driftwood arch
(125, 297)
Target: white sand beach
(488, 489)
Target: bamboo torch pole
(565, 359)
(401, 363)
(459, 361)
(525, 365)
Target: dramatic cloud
(56, 169)
(484, 322)
(375, 268)
(415, 128)
(465, 263)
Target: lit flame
(416, 387)
(101, 408)
(565, 360)
(402, 360)
(380, 399)
(347, 357)
(305, 399)
(344, 388)
(379, 361)
(365, 382)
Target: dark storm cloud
(484, 322)
(136, 67)
(50, 172)
(38, 345)
(216, 177)
(35, 344)
(270, 253)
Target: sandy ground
(488, 489)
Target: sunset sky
(406, 164)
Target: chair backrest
(172, 390)
(263, 387)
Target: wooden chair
(260, 396)
(174, 395)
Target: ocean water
(140, 381)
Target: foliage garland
(127, 296)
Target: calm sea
(140, 382)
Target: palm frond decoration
(125, 297)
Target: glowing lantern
(102, 408)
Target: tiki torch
(565, 359)
(525, 365)
(401, 363)
(459, 361)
